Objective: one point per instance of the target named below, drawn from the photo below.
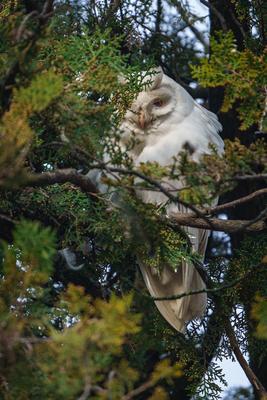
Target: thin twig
(162, 189)
(261, 216)
(206, 290)
(86, 391)
(256, 177)
(22, 26)
(237, 202)
(203, 221)
(188, 20)
(135, 392)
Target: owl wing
(199, 129)
(185, 278)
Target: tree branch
(237, 202)
(174, 198)
(63, 176)
(196, 219)
(230, 226)
(217, 13)
(135, 392)
(256, 177)
(7, 226)
(111, 11)
(259, 388)
(83, 156)
(186, 17)
(206, 290)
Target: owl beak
(142, 121)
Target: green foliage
(259, 313)
(242, 74)
(249, 265)
(89, 344)
(43, 89)
(209, 389)
(76, 331)
(169, 248)
(16, 131)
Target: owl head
(161, 97)
(165, 106)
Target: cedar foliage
(88, 329)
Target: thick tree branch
(220, 225)
(196, 219)
(63, 176)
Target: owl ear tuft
(156, 77)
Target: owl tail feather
(172, 283)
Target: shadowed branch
(196, 219)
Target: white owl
(163, 118)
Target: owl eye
(158, 103)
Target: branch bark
(191, 293)
(135, 392)
(217, 224)
(193, 219)
(259, 388)
(217, 13)
(256, 177)
(63, 176)
(234, 203)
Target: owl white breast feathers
(164, 117)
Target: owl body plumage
(163, 119)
